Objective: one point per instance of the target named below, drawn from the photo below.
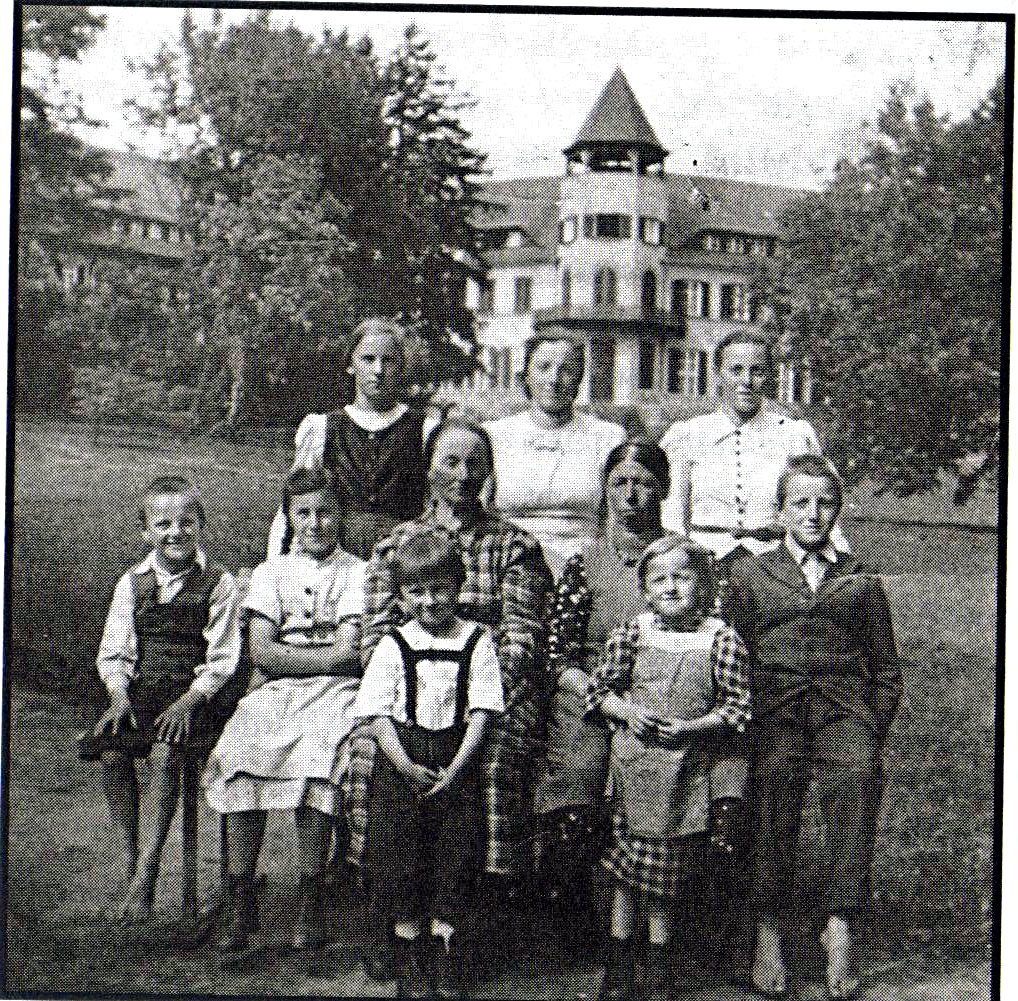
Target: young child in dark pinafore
(431, 687)
(672, 680)
(170, 643)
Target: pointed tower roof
(617, 118)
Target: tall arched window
(567, 288)
(680, 298)
(648, 292)
(605, 287)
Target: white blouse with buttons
(733, 474)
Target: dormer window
(117, 227)
(567, 229)
(711, 241)
(651, 231)
(736, 245)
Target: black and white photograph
(506, 503)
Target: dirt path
(60, 888)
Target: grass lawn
(74, 533)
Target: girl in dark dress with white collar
(373, 445)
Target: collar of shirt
(167, 577)
(337, 557)
(371, 420)
(721, 426)
(828, 553)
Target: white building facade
(649, 269)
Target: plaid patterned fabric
(506, 587)
(654, 867)
(729, 661)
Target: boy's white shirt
(117, 659)
(383, 689)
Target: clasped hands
(664, 730)
(429, 782)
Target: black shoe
(620, 972)
(243, 914)
(380, 962)
(657, 981)
(411, 975)
(446, 968)
(309, 930)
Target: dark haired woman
(548, 459)
(598, 590)
(283, 748)
(374, 444)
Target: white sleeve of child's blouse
(263, 596)
(351, 601)
(222, 638)
(117, 658)
(382, 684)
(309, 441)
(485, 689)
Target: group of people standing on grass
(470, 639)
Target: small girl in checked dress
(671, 681)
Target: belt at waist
(760, 534)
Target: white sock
(443, 930)
(407, 928)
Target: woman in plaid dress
(671, 681)
(506, 587)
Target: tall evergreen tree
(322, 187)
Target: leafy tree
(58, 178)
(891, 284)
(322, 188)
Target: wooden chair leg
(189, 840)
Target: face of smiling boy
(810, 509)
(173, 524)
(314, 520)
(431, 603)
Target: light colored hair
(700, 559)
(810, 465)
(171, 486)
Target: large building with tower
(649, 269)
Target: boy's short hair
(743, 337)
(163, 486)
(810, 465)
(427, 556)
(701, 559)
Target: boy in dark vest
(431, 687)
(171, 642)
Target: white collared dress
(285, 746)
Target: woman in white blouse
(725, 465)
(549, 458)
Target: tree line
(323, 182)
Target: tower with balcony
(612, 212)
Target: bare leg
(842, 980)
(314, 836)
(623, 922)
(769, 973)
(120, 786)
(660, 923)
(164, 789)
(244, 834)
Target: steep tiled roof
(617, 118)
(148, 190)
(695, 205)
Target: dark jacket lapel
(781, 566)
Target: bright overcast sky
(776, 99)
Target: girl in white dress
(284, 748)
